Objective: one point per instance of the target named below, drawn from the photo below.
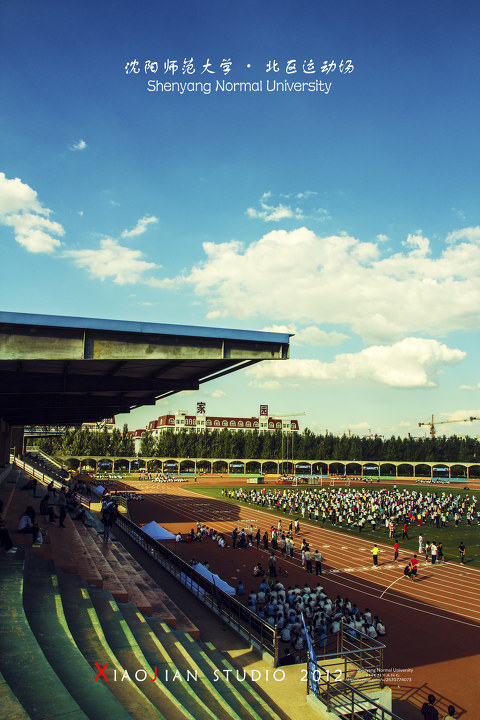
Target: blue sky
(349, 217)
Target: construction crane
(371, 435)
(432, 424)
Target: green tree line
(276, 445)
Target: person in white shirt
(371, 632)
(299, 643)
(335, 628)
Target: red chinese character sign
(263, 409)
(201, 408)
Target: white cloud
(302, 277)
(269, 212)
(310, 335)
(218, 394)
(459, 213)
(410, 363)
(306, 194)
(21, 210)
(112, 260)
(458, 415)
(280, 329)
(471, 234)
(80, 145)
(382, 238)
(357, 427)
(313, 335)
(140, 227)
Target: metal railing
(41, 473)
(364, 652)
(239, 617)
(343, 696)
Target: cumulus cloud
(140, 227)
(410, 363)
(470, 234)
(311, 335)
(21, 210)
(219, 394)
(112, 260)
(299, 276)
(459, 415)
(80, 145)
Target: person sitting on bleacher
(26, 526)
(81, 515)
(5, 540)
(46, 509)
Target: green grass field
(450, 536)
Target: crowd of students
(283, 609)
(364, 508)
(163, 478)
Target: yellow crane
(431, 423)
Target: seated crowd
(282, 608)
(202, 533)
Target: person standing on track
(441, 556)
(462, 550)
(272, 565)
(258, 538)
(375, 552)
(265, 541)
(308, 559)
(427, 549)
(395, 551)
(318, 557)
(413, 567)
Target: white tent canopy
(221, 584)
(157, 532)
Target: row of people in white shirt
(283, 609)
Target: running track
(433, 624)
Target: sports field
(450, 536)
(433, 625)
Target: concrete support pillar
(4, 444)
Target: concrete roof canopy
(69, 370)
